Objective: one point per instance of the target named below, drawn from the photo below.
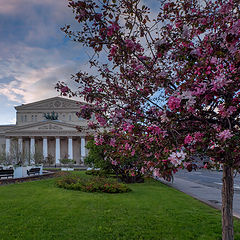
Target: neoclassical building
(46, 128)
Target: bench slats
(6, 173)
(33, 171)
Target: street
(205, 185)
(208, 178)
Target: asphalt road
(207, 178)
(205, 185)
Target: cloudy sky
(34, 53)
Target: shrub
(96, 156)
(127, 169)
(66, 161)
(91, 184)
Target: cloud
(27, 83)
(34, 54)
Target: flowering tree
(167, 87)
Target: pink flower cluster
(226, 112)
(133, 46)
(128, 127)
(102, 121)
(188, 139)
(113, 142)
(99, 140)
(176, 158)
(113, 28)
(224, 135)
(174, 103)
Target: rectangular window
(35, 118)
(25, 118)
(32, 118)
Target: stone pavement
(209, 195)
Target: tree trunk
(227, 203)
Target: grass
(40, 210)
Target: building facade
(45, 130)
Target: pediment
(48, 126)
(51, 104)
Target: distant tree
(38, 157)
(96, 156)
(49, 160)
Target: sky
(34, 52)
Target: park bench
(33, 171)
(6, 173)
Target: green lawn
(39, 210)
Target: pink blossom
(151, 139)
(112, 142)
(113, 28)
(139, 67)
(220, 81)
(231, 110)
(98, 140)
(64, 89)
(178, 23)
(127, 146)
(174, 102)
(128, 127)
(226, 112)
(133, 174)
(156, 173)
(113, 50)
(224, 135)
(198, 136)
(186, 164)
(114, 162)
(188, 139)
(214, 60)
(102, 121)
(154, 129)
(91, 124)
(130, 44)
(133, 153)
(176, 158)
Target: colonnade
(45, 148)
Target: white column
(83, 149)
(8, 144)
(70, 148)
(45, 147)
(57, 150)
(20, 145)
(32, 150)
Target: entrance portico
(56, 140)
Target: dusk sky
(34, 53)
